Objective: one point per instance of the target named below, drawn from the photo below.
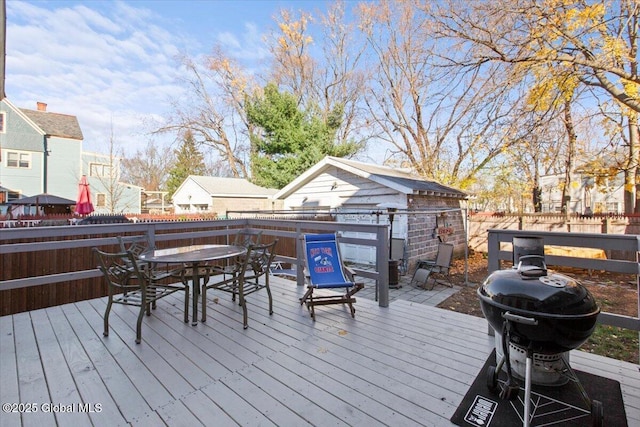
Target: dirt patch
(615, 293)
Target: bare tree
(594, 43)
(536, 154)
(212, 112)
(148, 168)
(108, 175)
(343, 77)
(446, 122)
(587, 37)
(622, 125)
(293, 66)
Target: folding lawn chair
(325, 270)
(430, 270)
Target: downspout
(3, 46)
(45, 163)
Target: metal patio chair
(138, 245)
(242, 238)
(431, 270)
(325, 270)
(249, 274)
(129, 284)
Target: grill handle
(532, 266)
(520, 319)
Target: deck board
(200, 407)
(31, 376)
(87, 380)
(59, 378)
(120, 384)
(157, 370)
(8, 369)
(275, 378)
(407, 364)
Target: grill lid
(533, 289)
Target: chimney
(42, 106)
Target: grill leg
(527, 389)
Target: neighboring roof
(55, 124)
(231, 187)
(398, 179)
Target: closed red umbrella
(83, 204)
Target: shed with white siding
(355, 190)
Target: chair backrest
(445, 255)
(258, 259)
(323, 260)
(135, 244)
(246, 239)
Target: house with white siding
(588, 192)
(219, 195)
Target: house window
(18, 160)
(613, 207)
(100, 169)
(13, 195)
(3, 121)
(101, 200)
(9, 196)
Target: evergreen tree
(189, 161)
(287, 141)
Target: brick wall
(423, 241)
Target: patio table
(193, 257)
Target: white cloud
(112, 67)
(229, 40)
(113, 64)
(249, 46)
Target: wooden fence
(480, 223)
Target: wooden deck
(408, 364)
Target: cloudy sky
(113, 63)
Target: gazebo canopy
(43, 200)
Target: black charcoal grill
(538, 316)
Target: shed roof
(231, 187)
(399, 179)
(55, 124)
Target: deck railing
(47, 266)
(625, 246)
